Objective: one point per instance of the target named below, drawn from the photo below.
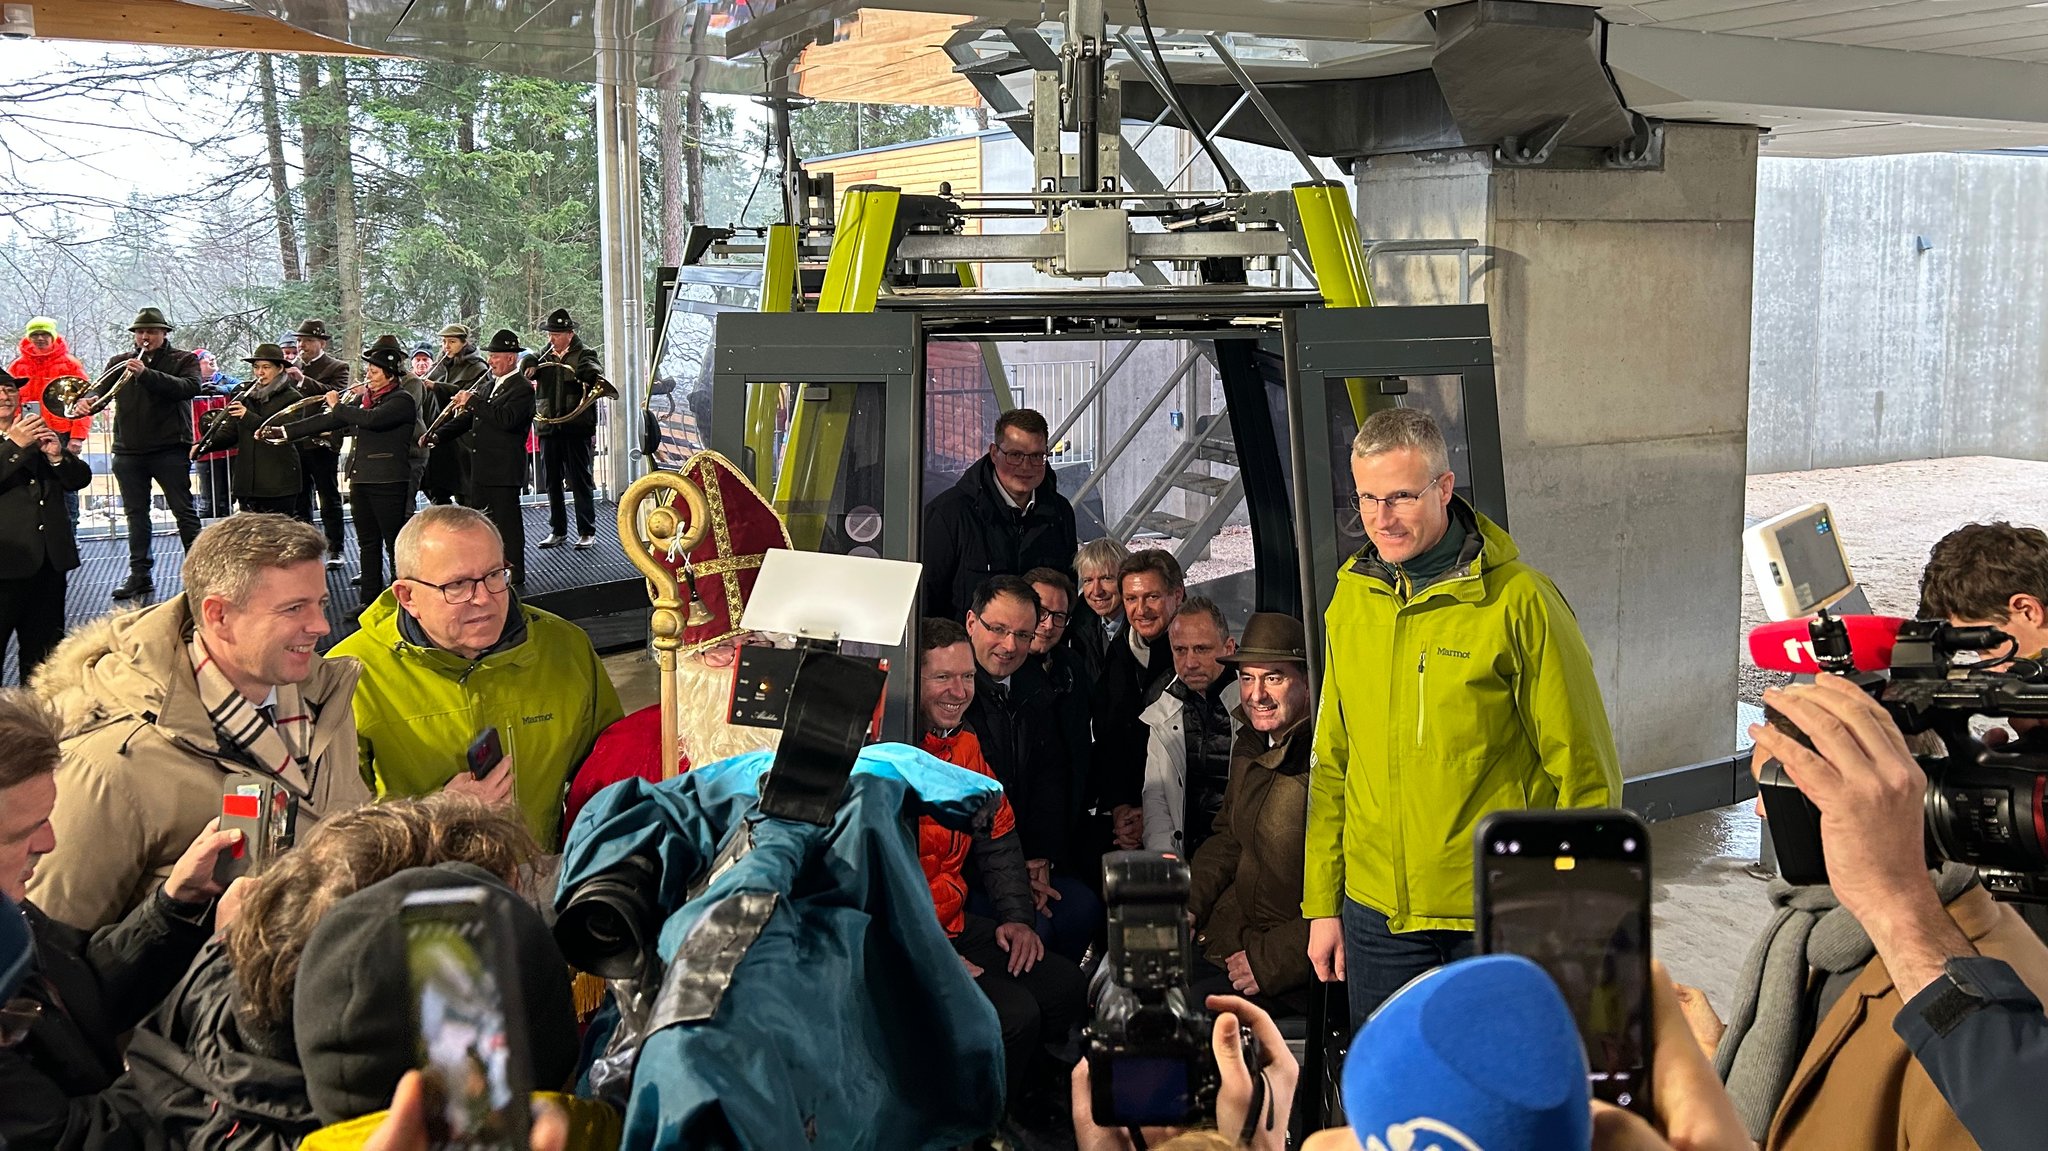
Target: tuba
(662, 516)
(599, 389)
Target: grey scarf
(1810, 933)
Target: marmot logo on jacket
(537, 718)
(1454, 654)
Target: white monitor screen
(1797, 562)
(822, 595)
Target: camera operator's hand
(1023, 944)
(191, 879)
(405, 1126)
(1871, 795)
(1694, 1112)
(1326, 948)
(1127, 825)
(1233, 1096)
(495, 788)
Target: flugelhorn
(448, 412)
(353, 394)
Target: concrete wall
(1899, 310)
(1620, 303)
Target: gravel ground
(1890, 516)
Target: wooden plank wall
(879, 56)
(918, 168)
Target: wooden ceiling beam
(172, 24)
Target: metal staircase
(1210, 443)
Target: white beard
(703, 699)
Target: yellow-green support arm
(1329, 229)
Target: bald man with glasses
(450, 653)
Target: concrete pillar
(1620, 304)
(622, 266)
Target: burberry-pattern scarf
(279, 747)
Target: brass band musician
(267, 477)
(565, 448)
(460, 368)
(491, 419)
(152, 434)
(316, 374)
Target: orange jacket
(944, 852)
(39, 368)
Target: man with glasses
(1017, 718)
(1455, 683)
(449, 653)
(1005, 516)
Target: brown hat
(150, 318)
(313, 330)
(1270, 637)
(270, 352)
(455, 332)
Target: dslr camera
(1150, 1063)
(1984, 805)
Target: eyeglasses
(464, 590)
(1021, 634)
(1399, 501)
(1054, 619)
(1019, 459)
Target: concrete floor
(1708, 907)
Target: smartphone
(470, 1027)
(31, 408)
(1571, 891)
(267, 815)
(485, 753)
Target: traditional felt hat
(388, 354)
(314, 330)
(505, 340)
(455, 332)
(719, 573)
(386, 343)
(41, 324)
(10, 380)
(150, 318)
(1270, 637)
(559, 321)
(270, 352)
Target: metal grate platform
(598, 589)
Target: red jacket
(943, 852)
(628, 749)
(39, 368)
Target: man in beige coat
(164, 709)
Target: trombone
(72, 398)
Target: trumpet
(72, 398)
(272, 429)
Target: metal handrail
(1088, 397)
(1103, 464)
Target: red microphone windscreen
(1787, 645)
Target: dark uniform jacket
(384, 433)
(329, 373)
(1120, 736)
(33, 523)
(972, 531)
(1023, 738)
(447, 466)
(153, 411)
(557, 399)
(58, 1086)
(261, 470)
(1246, 894)
(494, 429)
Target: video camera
(1150, 1063)
(1984, 805)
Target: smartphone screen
(31, 408)
(1571, 891)
(469, 1038)
(485, 753)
